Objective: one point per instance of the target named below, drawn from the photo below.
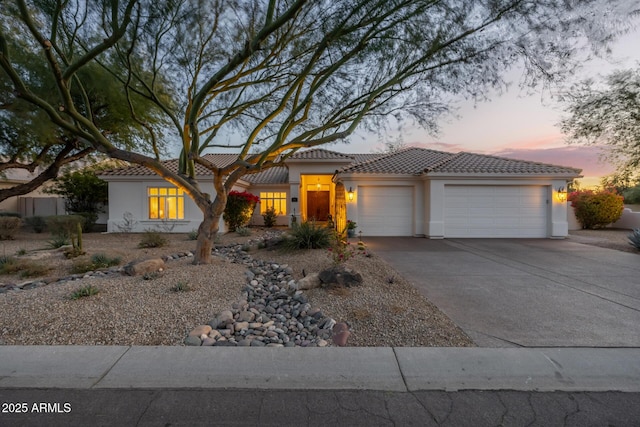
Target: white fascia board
(484, 176)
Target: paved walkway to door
(525, 292)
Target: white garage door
(495, 211)
(385, 211)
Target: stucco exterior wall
(131, 196)
(257, 218)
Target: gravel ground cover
(384, 311)
(610, 238)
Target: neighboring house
(35, 203)
(411, 192)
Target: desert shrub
(58, 241)
(307, 235)
(128, 223)
(239, 208)
(37, 223)
(85, 291)
(9, 226)
(5, 259)
(634, 238)
(96, 262)
(596, 209)
(64, 225)
(152, 239)
(632, 195)
(270, 217)
(243, 231)
(180, 287)
(23, 268)
(340, 250)
(193, 235)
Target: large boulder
(311, 281)
(339, 275)
(149, 266)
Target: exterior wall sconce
(561, 194)
(318, 186)
(350, 194)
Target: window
(166, 203)
(276, 200)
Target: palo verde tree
(608, 113)
(267, 78)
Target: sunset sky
(516, 124)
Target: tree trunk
(207, 232)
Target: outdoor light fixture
(561, 194)
(318, 186)
(350, 194)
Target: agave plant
(634, 238)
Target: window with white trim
(273, 199)
(165, 202)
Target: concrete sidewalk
(399, 369)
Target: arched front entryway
(341, 207)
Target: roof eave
(480, 175)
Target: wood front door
(318, 205)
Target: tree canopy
(607, 112)
(29, 140)
(268, 78)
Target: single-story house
(410, 192)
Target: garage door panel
(495, 211)
(385, 211)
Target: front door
(318, 205)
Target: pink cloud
(589, 159)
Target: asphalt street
(199, 407)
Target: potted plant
(351, 228)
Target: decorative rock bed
(271, 312)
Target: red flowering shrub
(239, 209)
(596, 209)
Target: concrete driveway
(525, 292)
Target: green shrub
(193, 235)
(152, 239)
(632, 195)
(596, 209)
(270, 217)
(58, 242)
(85, 291)
(307, 235)
(239, 208)
(10, 214)
(21, 251)
(180, 287)
(634, 238)
(37, 223)
(9, 227)
(104, 261)
(243, 231)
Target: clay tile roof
(274, 175)
(410, 160)
(320, 154)
(478, 163)
(220, 160)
